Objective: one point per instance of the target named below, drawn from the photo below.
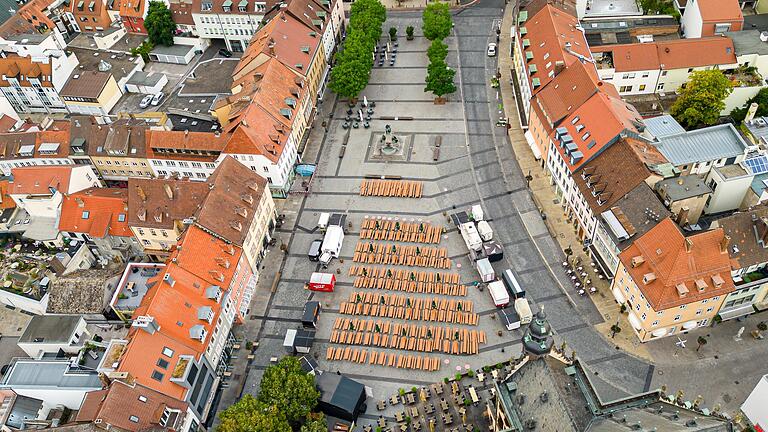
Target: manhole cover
(727, 398)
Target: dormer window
(648, 278)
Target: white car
(146, 101)
(157, 98)
(491, 50)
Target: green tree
(437, 51)
(701, 341)
(436, 21)
(702, 99)
(761, 98)
(659, 7)
(286, 386)
(143, 50)
(409, 32)
(315, 423)
(248, 414)
(159, 23)
(440, 79)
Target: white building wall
(728, 193)
(631, 83)
(230, 26)
(37, 307)
(691, 22)
(195, 170)
(278, 173)
(83, 177)
(7, 165)
(35, 350)
(521, 70)
(754, 407)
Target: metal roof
(663, 126)
(50, 329)
(53, 374)
(707, 144)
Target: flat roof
(612, 8)
(120, 64)
(85, 84)
(50, 329)
(175, 49)
(707, 144)
(50, 374)
(683, 187)
(748, 42)
(144, 78)
(732, 171)
(663, 126)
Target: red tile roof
(163, 144)
(5, 200)
(720, 10)
(99, 17)
(117, 405)
(554, 41)
(567, 91)
(235, 194)
(162, 203)
(676, 261)
(286, 39)
(132, 8)
(12, 65)
(597, 123)
(38, 180)
(672, 54)
(107, 212)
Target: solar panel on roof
(757, 165)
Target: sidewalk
(546, 199)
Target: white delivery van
(485, 269)
(498, 293)
(485, 231)
(523, 310)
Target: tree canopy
(702, 99)
(315, 423)
(159, 23)
(436, 21)
(287, 386)
(353, 66)
(248, 415)
(437, 51)
(440, 79)
(761, 98)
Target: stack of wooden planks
(413, 232)
(391, 188)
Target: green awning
(528, 55)
(523, 31)
(526, 43)
(522, 17)
(243, 3)
(532, 69)
(80, 4)
(227, 4)
(536, 82)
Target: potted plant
(392, 34)
(409, 33)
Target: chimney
(559, 67)
(216, 275)
(688, 245)
(636, 261)
(168, 191)
(726, 240)
(682, 216)
(222, 262)
(80, 202)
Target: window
(86, 213)
(157, 376)
(628, 75)
(134, 419)
(690, 70)
(642, 87)
(646, 74)
(625, 89)
(167, 352)
(698, 312)
(643, 317)
(710, 309)
(142, 398)
(683, 306)
(722, 28)
(163, 363)
(677, 317)
(663, 73)
(654, 324)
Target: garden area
(23, 273)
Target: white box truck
(523, 310)
(331, 248)
(477, 213)
(471, 237)
(499, 293)
(485, 231)
(322, 223)
(484, 267)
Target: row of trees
(353, 66)
(436, 25)
(285, 401)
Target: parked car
(156, 99)
(146, 101)
(314, 250)
(491, 49)
(225, 53)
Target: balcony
(182, 370)
(604, 60)
(111, 358)
(744, 76)
(751, 278)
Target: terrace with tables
(133, 285)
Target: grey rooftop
(50, 329)
(701, 145)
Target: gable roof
(555, 42)
(616, 171)
(161, 203)
(231, 204)
(675, 261)
(720, 10)
(567, 91)
(594, 125)
(38, 180)
(119, 403)
(96, 212)
(747, 231)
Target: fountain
(389, 144)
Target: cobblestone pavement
(479, 163)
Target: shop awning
(635, 321)
(737, 312)
(659, 332)
(532, 144)
(690, 325)
(618, 295)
